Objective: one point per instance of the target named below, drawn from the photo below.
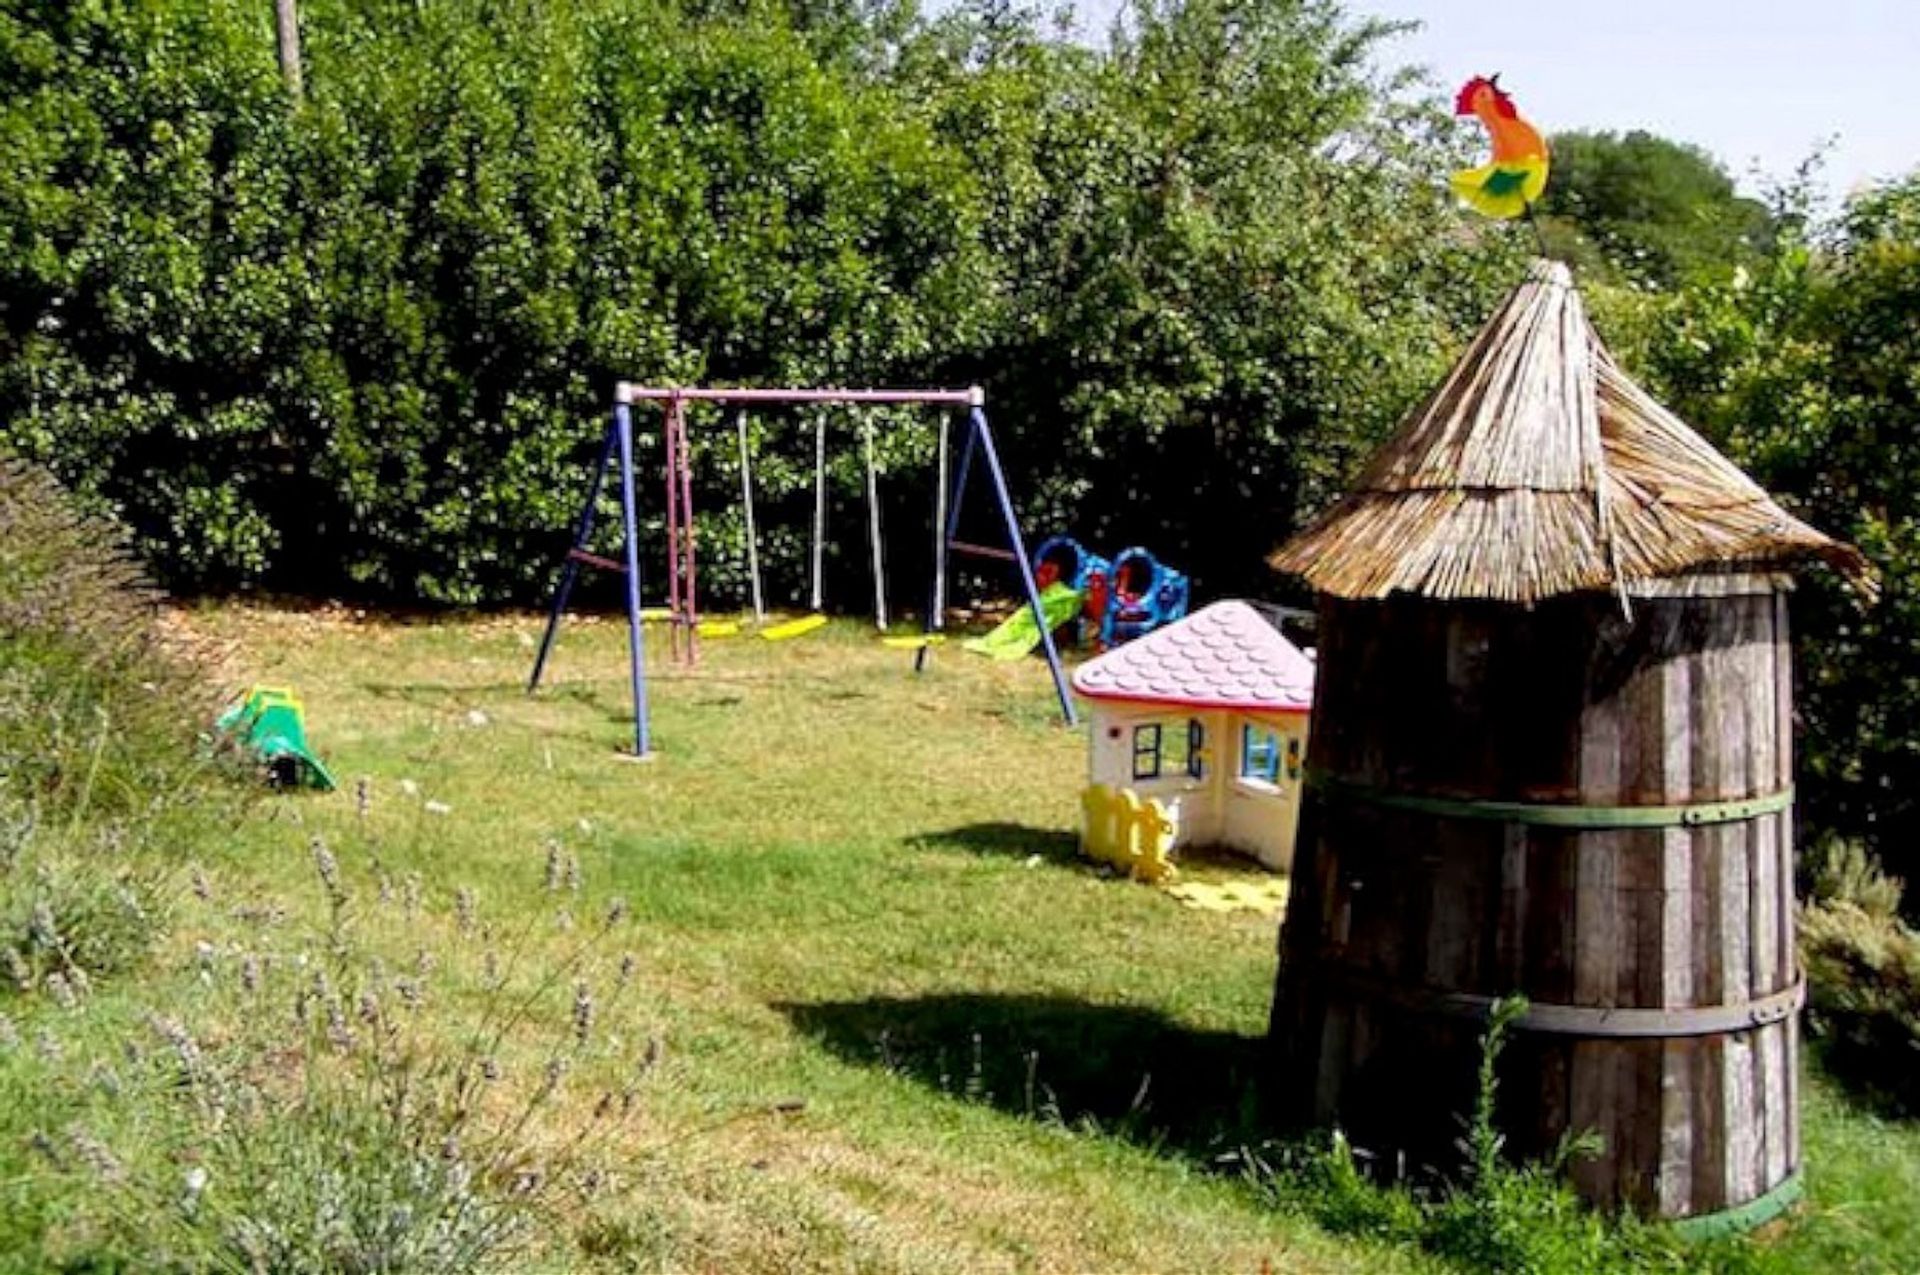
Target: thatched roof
(1538, 468)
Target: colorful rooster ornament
(1518, 173)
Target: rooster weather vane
(1516, 176)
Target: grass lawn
(854, 889)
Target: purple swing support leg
(570, 567)
(977, 415)
(980, 438)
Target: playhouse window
(1146, 751)
(1196, 749)
(1259, 753)
(1180, 748)
(1293, 757)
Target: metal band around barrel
(1586, 1020)
(1556, 815)
(1744, 1217)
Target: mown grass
(850, 887)
(899, 1027)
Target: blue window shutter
(1259, 753)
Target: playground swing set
(682, 614)
(682, 611)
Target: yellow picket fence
(1133, 834)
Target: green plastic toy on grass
(1018, 634)
(271, 722)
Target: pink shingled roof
(1221, 656)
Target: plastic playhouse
(1199, 738)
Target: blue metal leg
(1016, 543)
(570, 569)
(636, 649)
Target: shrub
(76, 913)
(1840, 870)
(101, 756)
(1863, 975)
(101, 707)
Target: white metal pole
(938, 620)
(753, 539)
(873, 533)
(819, 501)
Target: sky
(1755, 82)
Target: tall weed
(1491, 1215)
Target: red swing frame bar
(680, 547)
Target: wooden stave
(1669, 1151)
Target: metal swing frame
(618, 449)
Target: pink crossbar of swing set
(680, 574)
(629, 393)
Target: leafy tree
(1647, 208)
(363, 345)
(1807, 369)
(1228, 265)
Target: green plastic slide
(270, 722)
(1017, 634)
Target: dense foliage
(1648, 209)
(365, 344)
(1863, 974)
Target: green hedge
(365, 345)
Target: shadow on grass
(1867, 1063)
(439, 694)
(606, 697)
(1013, 840)
(1123, 1071)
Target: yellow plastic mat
(1264, 894)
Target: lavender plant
(357, 1119)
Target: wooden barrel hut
(1551, 755)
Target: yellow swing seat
(794, 628)
(913, 642)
